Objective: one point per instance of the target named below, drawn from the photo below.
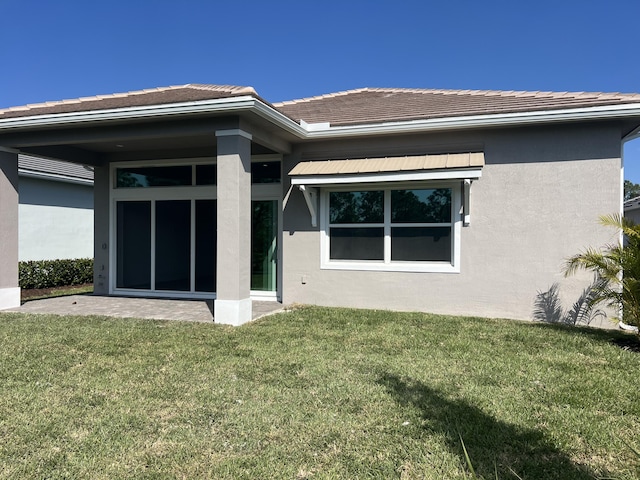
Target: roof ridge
(221, 88)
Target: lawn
(315, 393)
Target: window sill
(434, 267)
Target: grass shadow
(494, 446)
(625, 340)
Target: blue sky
(51, 50)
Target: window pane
(356, 207)
(173, 245)
(357, 243)
(421, 206)
(133, 245)
(206, 174)
(265, 172)
(153, 177)
(206, 245)
(421, 244)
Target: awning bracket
(311, 196)
(466, 211)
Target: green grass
(314, 393)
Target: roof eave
(480, 121)
(250, 104)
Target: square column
(9, 289)
(233, 260)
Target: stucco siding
(537, 203)
(55, 220)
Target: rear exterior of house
(455, 202)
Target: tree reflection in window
(421, 206)
(357, 207)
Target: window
(391, 228)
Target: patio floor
(153, 308)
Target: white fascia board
(149, 111)
(482, 121)
(474, 173)
(54, 177)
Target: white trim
(310, 197)
(232, 312)
(387, 265)
(466, 198)
(387, 177)
(264, 296)
(234, 132)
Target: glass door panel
(133, 245)
(173, 245)
(206, 243)
(264, 248)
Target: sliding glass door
(166, 245)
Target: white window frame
(387, 265)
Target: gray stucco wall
(101, 230)
(56, 220)
(537, 203)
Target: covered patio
(179, 179)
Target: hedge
(55, 273)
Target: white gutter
(248, 103)
(482, 121)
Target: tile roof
(46, 166)
(377, 105)
(352, 107)
(154, 96)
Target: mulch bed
(41, 292)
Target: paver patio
(153, 308)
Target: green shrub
(55, 273)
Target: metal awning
(408, 168)
(448, 166)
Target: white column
(233, 260)
(9, 289)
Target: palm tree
(618, 267)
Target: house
(632, 209)
(55, 209)
(456, 202)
